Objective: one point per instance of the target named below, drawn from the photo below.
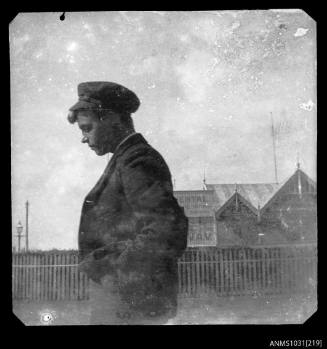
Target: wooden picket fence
(48, 276)
(212, 271)
(242, 271)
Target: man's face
(98, 134)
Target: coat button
(82, 232)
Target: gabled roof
(205, 202)
(294, 176)
(232, 200)
(255, 193)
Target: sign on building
(202, 232)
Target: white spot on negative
(307, 106)
(235, 25)
(300, 31)
(47, 317)
(184, 37)
(72, 46)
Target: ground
(288, 309)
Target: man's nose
(84, 139)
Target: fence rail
(219, 271)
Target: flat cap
(106, 95)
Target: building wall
(237, 225)
(202, 231)
(293, 211)
(295, 217)
(289, 217)
(198, 207)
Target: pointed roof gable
(232, 200)
(255, 193)
(294, 177)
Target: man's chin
(99, 152)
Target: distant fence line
(220, 271)
(48, 276)
(242, 271)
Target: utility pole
(26, 233)
(274, 145)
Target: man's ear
(108, 116)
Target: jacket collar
(128, 142)
(133, 139)
(124, 140)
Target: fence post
(222, 272)
(264, 274)
(217, 271)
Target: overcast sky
(207, 82)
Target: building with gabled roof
(293, 209)
(255, 193)
(251, 214)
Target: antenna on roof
(274, 146)
(204, 180)
(298, 160)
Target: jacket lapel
(94, 194)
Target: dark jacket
(133, 228)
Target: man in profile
(132, 230)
